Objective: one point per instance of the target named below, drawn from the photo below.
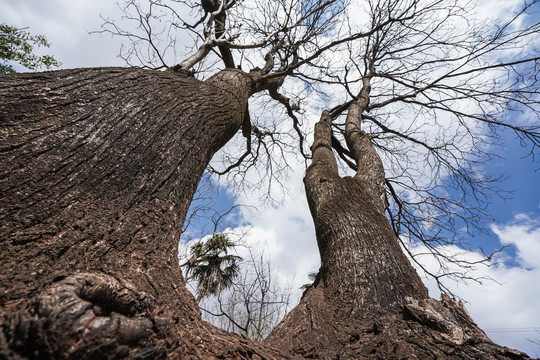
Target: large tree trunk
(367, 301)
(98, 167)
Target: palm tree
(211, 265)
(312, 276)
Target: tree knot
(447, 316)
(88, 314)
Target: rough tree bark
(367, 301)
(98, 167)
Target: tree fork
(98, 169)
(367, 301)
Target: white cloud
(286, 234)
(66, 24)
(507, 305)
(524, 233)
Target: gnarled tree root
(86, 316)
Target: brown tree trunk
(367, 301)
(97, 170)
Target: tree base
(420, 329)
(96, 316)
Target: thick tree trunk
(367, 301)
(98, 167)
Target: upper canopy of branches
(446, 80)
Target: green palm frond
(211, 265)
(312, 276)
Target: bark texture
(97, 170)
(98, 167)
(367, 301)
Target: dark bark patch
(86, 316)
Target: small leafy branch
(17, 45)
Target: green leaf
(17, 46)
(211, 265)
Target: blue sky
(521, 174)
(521, 177)
(286, 230)
(523, 180)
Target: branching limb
(295, 121)
(238, 162)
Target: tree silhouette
(212, 265)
